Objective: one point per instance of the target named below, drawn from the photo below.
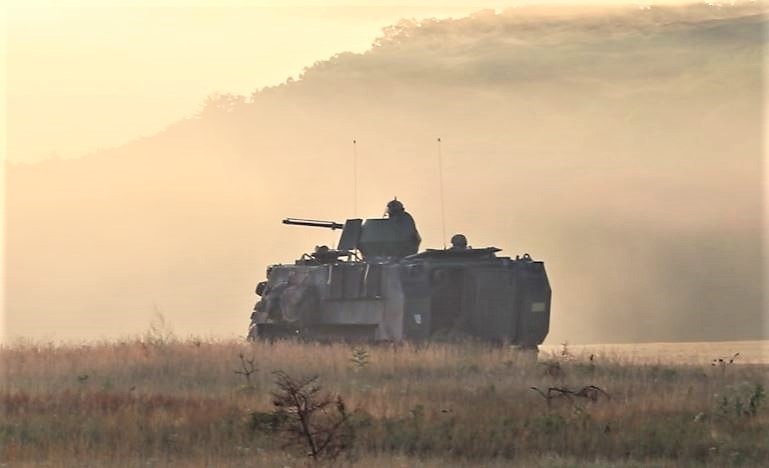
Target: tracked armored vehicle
(376, 286)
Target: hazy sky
(83, 75)
(185, 222)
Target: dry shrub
(310, 418)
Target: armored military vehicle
(376, 285)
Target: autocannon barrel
(313, 223)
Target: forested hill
(621, 146)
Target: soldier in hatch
(405, 223)
(458, 242)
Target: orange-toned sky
(82, 75)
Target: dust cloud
(621, 146)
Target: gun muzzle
(313, 223)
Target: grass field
(158, 401)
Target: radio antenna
(443, 204)
(355, 178)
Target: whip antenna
(355, 178)
(443, 204)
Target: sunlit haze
(87, 75)
(154, 150)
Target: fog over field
(621, 146)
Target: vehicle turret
(377, 239)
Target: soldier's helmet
(458, 241)
(394, 206)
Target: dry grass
(167, 402)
